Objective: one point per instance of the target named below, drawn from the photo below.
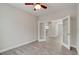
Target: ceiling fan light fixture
(37, 6)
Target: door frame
(67, 46)
(44, 29)
(44, 39)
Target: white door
(66, 32)
(60, 31)
(41, 31)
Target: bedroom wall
(60, 14)
(78, 25)
(16, 27)
(77, 28)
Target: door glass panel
(65, 31)
(41, 30)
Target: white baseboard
(3, 50)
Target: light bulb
(37, 6)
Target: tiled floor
(50, 47)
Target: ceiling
(52, 7)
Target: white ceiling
(52, 7)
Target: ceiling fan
(37, 5)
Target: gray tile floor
(50, 47)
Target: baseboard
(16, 46)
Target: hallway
(50, 47)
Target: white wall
(16, 27)
(78, 28)
(62, 13)
(78, 25)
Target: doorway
(54, 29)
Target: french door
(66, 32)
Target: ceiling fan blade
(43, 6)
(29, 3)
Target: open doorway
(56, 29)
